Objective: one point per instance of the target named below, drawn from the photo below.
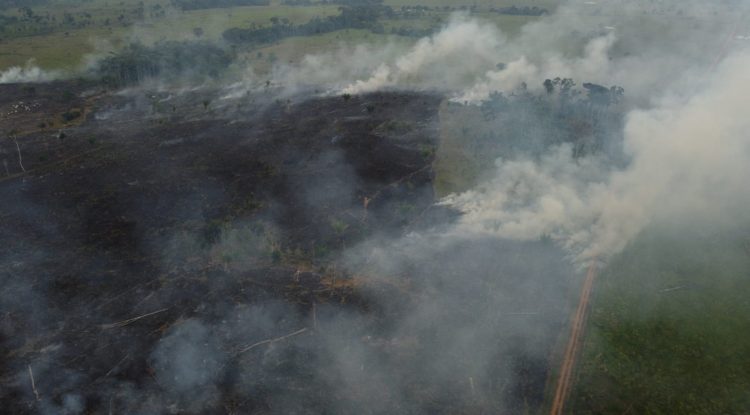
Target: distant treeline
(360, 17)
(409, 31)
(341, 2)
(6, 20)
(9, 4)
(352, 2)
(137, 62)
(520, 11)
(215, 4)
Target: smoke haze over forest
(349, 208)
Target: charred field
(374, 207)
(180, 252)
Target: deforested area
(377, 207)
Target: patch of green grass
(459, 163)
(53, 51)
(214, 22)
(668, 332)
(509, 25)
(338, 226)
(64, 46)
(293, 49)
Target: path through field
(562, 389)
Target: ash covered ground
(247, 244)
(177, 252)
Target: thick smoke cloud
(611, 44)
(27, 73)
(688, 159)
(441, 61)
(472, 59)
(683, 140)
(483, 302)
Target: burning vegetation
(233, 257)
(245, 218)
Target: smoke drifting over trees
(219, 239)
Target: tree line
(216, 4)
(173, 59)
(562, 113)
(520, 11)
(360, 17)
(9, 4)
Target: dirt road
(578, 322)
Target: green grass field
(215, 21)
(668, 332)
(47, 52)
(96, 28)
(64, 47)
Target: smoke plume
(220, 245)
(688, 159)
(27, 73)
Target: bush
(71, 115)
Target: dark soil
(159, 211)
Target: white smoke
(527, 200)
(590, 67)
(28, 73)
(689, 160)
(471, 58)
(467, 57)
(456, 54)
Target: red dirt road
(564, 381)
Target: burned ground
(157, 255)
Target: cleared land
(155, 221)
(668, 329)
